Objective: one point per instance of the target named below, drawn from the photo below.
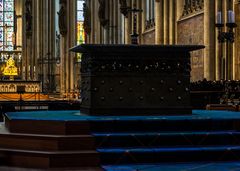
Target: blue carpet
(78, 116)
(226, 166)
(166, 133)
(167, 149)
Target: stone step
(47, 159)
(47, 127)
(46, 142)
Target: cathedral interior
(133, 85)
(38, 36)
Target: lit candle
(219, 17)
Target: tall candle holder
(134, 35)
(228, 37)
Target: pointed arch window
(149, 12)
(7, 25)
(80, 20)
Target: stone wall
(191, 31)
(148, 37)
(237, 43)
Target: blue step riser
(183, 156)
(119, 134)
(167, 140)
(154, 126)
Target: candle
(219, 17)
(231, 16)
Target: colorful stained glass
(8, 16)
(80, 19)
(1, 5)
(9, 6)
(80, 28)
(9, 24)
(6, 24)
(1, 16)
(1, 36)
(9, 36)
(81, 34)
(80, 4)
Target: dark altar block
(135, 79)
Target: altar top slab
(121, 48)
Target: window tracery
(192, 6)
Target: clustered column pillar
(237, 42)
(209, 39)
(166, 21)
(159, 22)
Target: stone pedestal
(135, 80)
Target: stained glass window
(80, 28)
(80, 19)
(149, 13)
(6, 25)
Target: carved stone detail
(62, 18)
(192, 6)
(123, 7)
(28, 16)
(130, 66)
(102, 13)
(87, 19)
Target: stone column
(209, 40)
(236, 53)
(115, 21)
(97, 24)
(159, 22)
(171, 22)
(219, 47)
(139, 21)
(166, 21)
(179, 11)
(73, 42)
(92, 10)
(144, 16)
(229, 53)
(128, 25)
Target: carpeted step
(170, 154)
(161, 124)
(46, 159)
(158, 139)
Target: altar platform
(118, 142)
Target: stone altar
(135, 79)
